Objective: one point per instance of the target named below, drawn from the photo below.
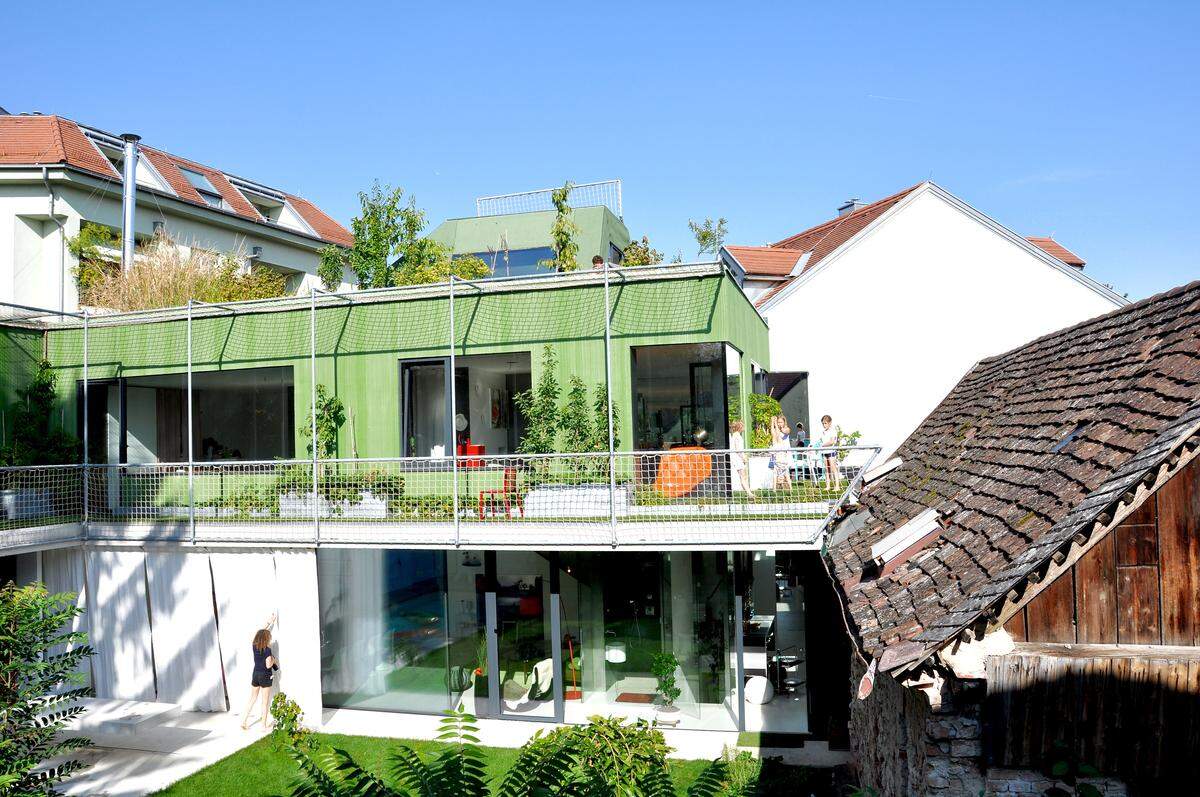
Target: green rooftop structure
(511, 232)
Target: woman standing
(265, 665)
(830, 437)
(781, 443)
(737, 456)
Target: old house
(1023, 579)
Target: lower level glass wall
(637, 634)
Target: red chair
(507, 495)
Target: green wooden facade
(361, 343)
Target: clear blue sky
(1073, 119)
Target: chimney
(850, 205)
(128, 198)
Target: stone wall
(926, 741)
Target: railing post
(612, 456)
(86, 469)
(453, 419)
(190, 431)
(312, 397)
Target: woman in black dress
(265, 665)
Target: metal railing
(675, 497)
(606, 193)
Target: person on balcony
(828, 441)
(597, 263)
(781, 444)
(737, 456)
(265, 666)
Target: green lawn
(261, 770)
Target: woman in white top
(737, 456)
(829, 439)
(781, 443)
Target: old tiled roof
(765, 261)
(1055, 249)
(822, 240)
(53, 140)
(1027, 451)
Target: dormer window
(206, 189)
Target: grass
(263, 769)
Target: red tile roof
(764, 261)
(822, 240)
(45, 140)
(1055, 249)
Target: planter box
(574, 501)
(368, 506)
(18, 504)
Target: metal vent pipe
(128, 198)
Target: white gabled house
(886, 306)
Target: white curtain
(62, 571)
(120, 625)
(186, 657)
(246, 595)
(352, 620)
(298, 641)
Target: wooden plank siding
(1132, 712)
(1138, 586)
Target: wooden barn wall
(1131, 712)
(1140, 585)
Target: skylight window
(206, 189)
(911, 534)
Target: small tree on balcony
(331, 414)
(709, 235)
(32, 440)
(539, 405)
(641, 253)
(563, 232)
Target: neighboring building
(884, 307)
(511, 233)
(559, 576)
(57, 174)
(1028, 571)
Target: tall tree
(38, 657)
(563, 232)
(709, 235)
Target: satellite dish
(460, 422)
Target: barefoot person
(737, 456)
(781, 444)
(829, 440)
(265, 665)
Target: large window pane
(400, 629)
(679, 396)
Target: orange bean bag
(680, 473)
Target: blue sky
(1073, 119)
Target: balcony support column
(312, 401)
(612, 457)
(86, 469)
(191, 471)
(454, 419)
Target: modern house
(917, 283)
(57, 175)
(441, 544)
(1022, 581)
(511, 232)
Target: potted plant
(663, 667)
(481, 677)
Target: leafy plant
(38, 657)
(331, 414)
(709, 235)
(663, 667)
(640, 253)
(563, 232)
(762, 410)
(289, 727)
(575, 420)
(539, 405)
(1063, 764)
(600, 410)
(32, 440)
(92, 264)
(332, 267)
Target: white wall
(887, 328)
(30, 271)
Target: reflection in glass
(679, 396)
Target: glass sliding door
(528, 662)
(426, 398)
